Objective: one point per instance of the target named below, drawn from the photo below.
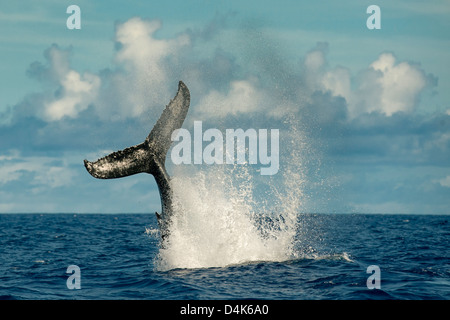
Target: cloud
(400, 85)
(77, 93)
(357, 120)
(444, 182)
(73, 92)
(42, 172)
(140, 80)
(137, 83)
(385, 86)
(347, 112)
(315, 64)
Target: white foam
(218, 220)
(332, 256)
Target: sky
(368, 109)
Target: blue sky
(371, 107)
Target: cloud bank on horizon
(381, 152)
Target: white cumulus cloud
(401, 84)
(386, 85)
(78, 92)
(141, 79)
(138, 80)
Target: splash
(227, 215)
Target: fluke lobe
(149, 156)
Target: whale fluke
(149, 156)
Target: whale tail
(150, 155)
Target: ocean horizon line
(152, 213)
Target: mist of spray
(228, 214)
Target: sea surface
(119, 257)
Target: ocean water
(119, 257)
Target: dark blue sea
(119, 258)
